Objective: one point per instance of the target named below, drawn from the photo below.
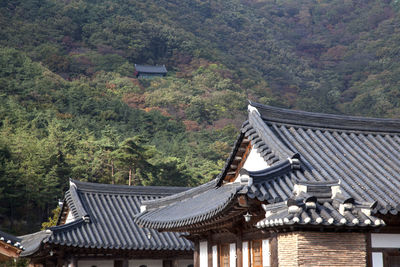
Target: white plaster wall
(70, 217)
(184, 263)
(232, 255)
(245, 254)
(97, 263)
(148, 263)
(265, 253)
(385, 240)
(377, 259)
(203, 254)
(255, 162)
(215, 256)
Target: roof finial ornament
(71, 183)
(251, 109)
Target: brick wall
(287, 250)
(322, 249)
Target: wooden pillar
(239, 250)
(125, 263)
(369, 250)
(210, 252)
(273, 245)
(196, 254)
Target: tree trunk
(134, 176)
(130, 176)
(112, 172)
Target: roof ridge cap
(147, 190)
(76, 201)
(326, 120)
(167, 200)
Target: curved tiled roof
(318, 205)
(32, 242)
(364, 159)
(11, 240)
(190, 209)
(362, 153)
(103, 219)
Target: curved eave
(152, 219)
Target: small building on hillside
(299, 189)
(10, 247)
(145, 71)
(96, 228)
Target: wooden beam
(242, 149)
(245, 141)
(9, 251)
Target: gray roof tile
(151, 69)
(362, 153)
(189, 209)
(104, 218)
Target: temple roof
(11, 240)
(102, 218)
(362, 154)
(151, 69)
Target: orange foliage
(335, 53)
(191, 125)
(110, 86)
(161, 110)
(64, 115)
(135, 100)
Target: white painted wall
(255, 162)
(377, 259)
(148, 263)
(70, 217)
(184, 263)
(215, 256)
(203, 254)
(245, 254)
(97, 263)
(385, 240)
(265, 253)
(232, 255)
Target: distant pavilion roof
(103, 219)
(362, 156)
(151, 69)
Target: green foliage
(52, 221)
(71, 108)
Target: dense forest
(70, 106)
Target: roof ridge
(117, 188)
(325, 120)
(74, 202)
(165, 201)
(275, 170)
(271, 137)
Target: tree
(131, 156)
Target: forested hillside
(70, 106)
